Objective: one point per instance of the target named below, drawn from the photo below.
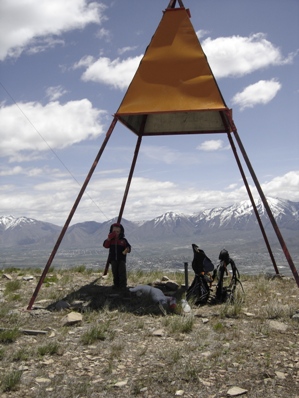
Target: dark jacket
(117, 246)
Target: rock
(158, 332)
(280, 375)
(206, 354)
(121, 383)
(249, 314)
(28, 278)
(205, 382)
(295, 317)
(170, 285)
(179, 393)
(236, 391)
(205, 320)
(42, 380)
(72, 318)
(279, 326)
(7, 276)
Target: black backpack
(199, 290)
(226, 293)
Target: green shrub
(21, 355)
(10, 381)
(180, 324)
(97, 332)
(9, 336)
(12, 286)
(80, 269)
(48, 349)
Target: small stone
(279, 326)
(48, 361)
(121, 383)
(235, 391)
(179, 393)
(42, 380)
(71, 318)
(249, 314)
(158, 332)
(206, 354)
(7, 276)
(280, 375)
(28, 278)
(205, 382)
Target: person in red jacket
(118, 248)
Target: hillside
(122, 345)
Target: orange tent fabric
(173, 77)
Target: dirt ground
(124, 345)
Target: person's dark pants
(119, 272)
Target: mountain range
(168, 235)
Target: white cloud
(23, 21)
(52, 200)
(39, 45)
(201, 33)
(104, 34)
(261, 92)
(211, 145)
(285, 186)
(18, 170)
(10, 172)
(84, 62)
(54, 93)
(34, 127)
(116, 73)
(166, 155)
(160, 153)
(126, 49)
(239, 56)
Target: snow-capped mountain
(23, 231)
(242, 217)
(169, 227)
(7, 222)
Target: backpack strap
(235, 277)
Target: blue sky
(64, 69)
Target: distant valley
(162, 243)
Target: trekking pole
(186, 275)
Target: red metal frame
(172, 4)
(252, 202)
(122, 207)
(264, 200)
(230, 130)
(72, 212)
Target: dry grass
(117, 351)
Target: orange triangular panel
(174, 74)
(173, 90)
